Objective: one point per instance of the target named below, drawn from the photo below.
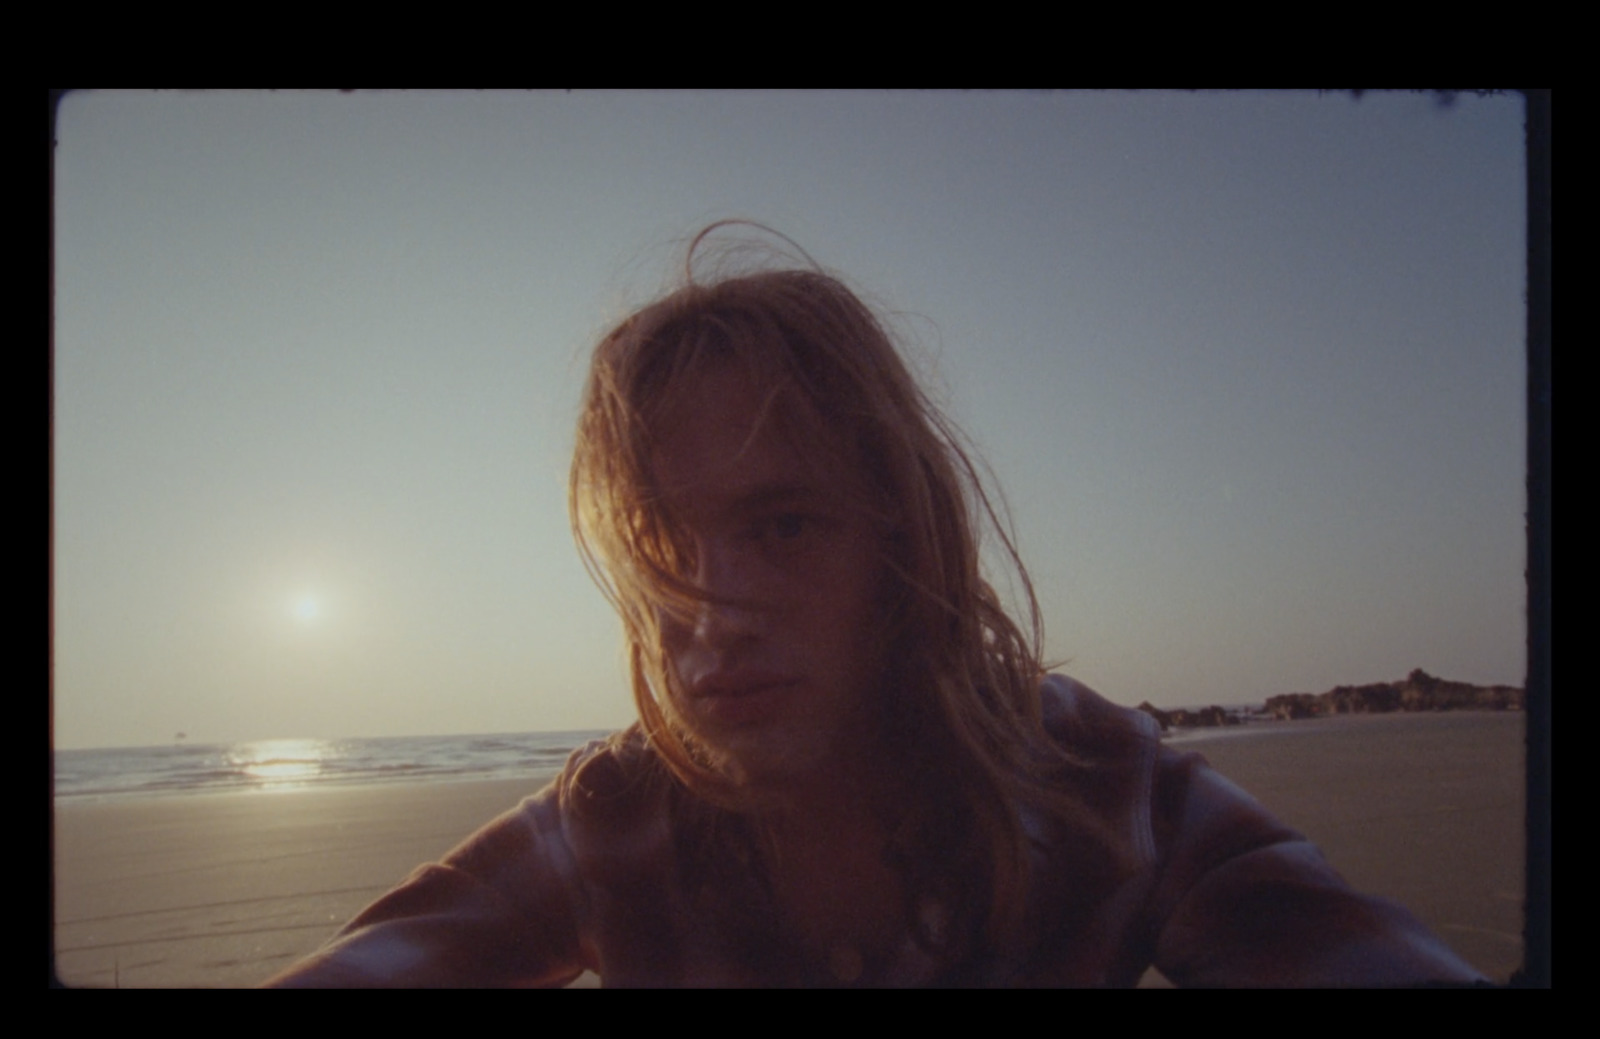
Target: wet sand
(225, 890)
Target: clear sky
(1248, 367)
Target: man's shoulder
(1090, 726)
(614, 785)
(606, 760)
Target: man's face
(781, 674)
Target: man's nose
(731, 611)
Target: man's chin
(767, 762)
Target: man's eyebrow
(745, 503)
(773, 495)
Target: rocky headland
(1418, 691)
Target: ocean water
(183, 768)
(285, 764)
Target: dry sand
(227, 889)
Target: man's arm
(1237, 898)
(1247, 902)
(498, 911)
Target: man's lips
(740, 699)
(736, 685)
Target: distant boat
(179, 737)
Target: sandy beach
(224, 890)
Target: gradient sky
(1248, 367)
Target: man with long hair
(851, 766)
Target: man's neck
(836, 891)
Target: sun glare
(279, 764)
(307, 609)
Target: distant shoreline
(1417, 693)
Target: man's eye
(785, 531)
(787, 526)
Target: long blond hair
(966, 703)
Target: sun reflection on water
(280, 764)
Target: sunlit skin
(783, 673)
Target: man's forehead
(724, 444)
(695, 472)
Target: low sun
(306, 609)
